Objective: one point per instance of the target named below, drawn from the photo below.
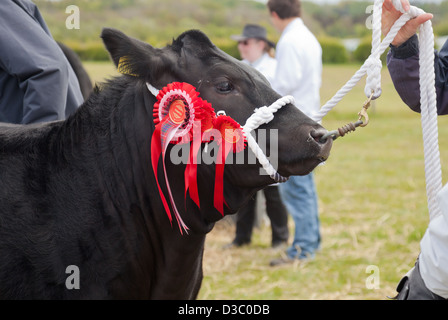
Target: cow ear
(195, 41)
(134, 57)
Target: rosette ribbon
(231, 138)
(201, 129)
(181, 116)
(178, 112)
(174, 115)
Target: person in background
(428, 280)
(254, 48)
(37, 84)
(299, 73)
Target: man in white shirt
(254, 48)
(299, 63)
(299, 73)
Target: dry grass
(99, 71)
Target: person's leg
(412, 287)
(300, 198)
(276, 211)
(244, 223)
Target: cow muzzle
(324, 144)
(316, 138)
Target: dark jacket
(403, 64)
(37, 83)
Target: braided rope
(433, 170)
(373, 63)
(262, 116)
(265, 115)
(333, 102)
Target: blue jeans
(300, 198)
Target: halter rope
(428, 96)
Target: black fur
(82, 192)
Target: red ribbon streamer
(191, 181)
(218, 199)
(231, 139)
(156, 151)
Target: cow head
(236, 89)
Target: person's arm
(289, 70)
(403, 65)
(403, 59)
(30, 55)
(441, 68)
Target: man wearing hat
(254, 48)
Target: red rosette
(170, 101)
(159, 111)
(206, 114)
(231, 133)
(177, 113)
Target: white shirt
(434, 250)
(266, 65)
(299, 66)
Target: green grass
(99, 70)
(372, 202)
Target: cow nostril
(319, 135)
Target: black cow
(82, 192)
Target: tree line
(159, 21)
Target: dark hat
(253, 31)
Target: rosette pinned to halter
(181, 116)
(231, 138)
(178, 101)
(174, 116)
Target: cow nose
(319, 135)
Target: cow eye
(224, 86)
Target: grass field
(372, 202)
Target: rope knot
(397, 4)
(265, 113)
(373, 81)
